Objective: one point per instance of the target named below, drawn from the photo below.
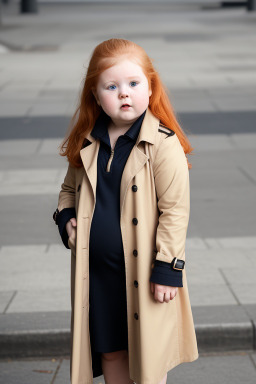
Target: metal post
(28, 6)
(251, 5)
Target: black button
(134, 188)
(136, 316)
(78, 188)
(135, 221)
(135, 252)
(136, 283)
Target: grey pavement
(205, 57)
(220, 368)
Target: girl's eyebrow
(129, 77)
(134, 77)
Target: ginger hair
(105, 55)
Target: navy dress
(108, 308)
(107, 295)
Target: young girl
(123, 210)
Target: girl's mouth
(125, 106)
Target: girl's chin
(124, 118)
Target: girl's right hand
(70, 225)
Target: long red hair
(105, 55)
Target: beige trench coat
(160, 335)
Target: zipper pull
(110, 160)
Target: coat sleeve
(173, 193)
(164, 274)
(66, 203)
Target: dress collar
(100, 129)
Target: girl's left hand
(163, 293)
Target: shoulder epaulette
(162, 128)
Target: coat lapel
(89, 156)
(135, 162)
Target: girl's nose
(123, 94)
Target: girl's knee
(112, 356)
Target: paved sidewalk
(205, 58)
(235, 368)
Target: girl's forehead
(125, 67)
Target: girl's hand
(70, 225)
(163, 293)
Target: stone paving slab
(245, 293)
(64, 373)
(30, 372)
(213, 368)
(226, 212)
(19, 147)
(238, 275)
(32, 269)
(41, 299)
(228, 215)
(9, 162)
(208, 276)
(5, 298)
(209, 294)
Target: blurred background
(206, 56)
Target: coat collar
(135, 162)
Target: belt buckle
(174, 265)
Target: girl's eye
(133, 83)
(111, 87)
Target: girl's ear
(150, 92)
(96, 96)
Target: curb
(225, 337)
(47, 334)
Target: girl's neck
(122, 128)
(114, 132)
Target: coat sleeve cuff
(63, 217)
(164, 274)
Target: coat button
(135, 252)
(136, 316)
(134, 188)
(78, 188)
(136, 283)
(135, 221)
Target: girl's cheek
(107, 102)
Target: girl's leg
(115, 366)
(164, 379)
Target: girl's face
(123, 92)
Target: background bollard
(251, 5)
(28, 6)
